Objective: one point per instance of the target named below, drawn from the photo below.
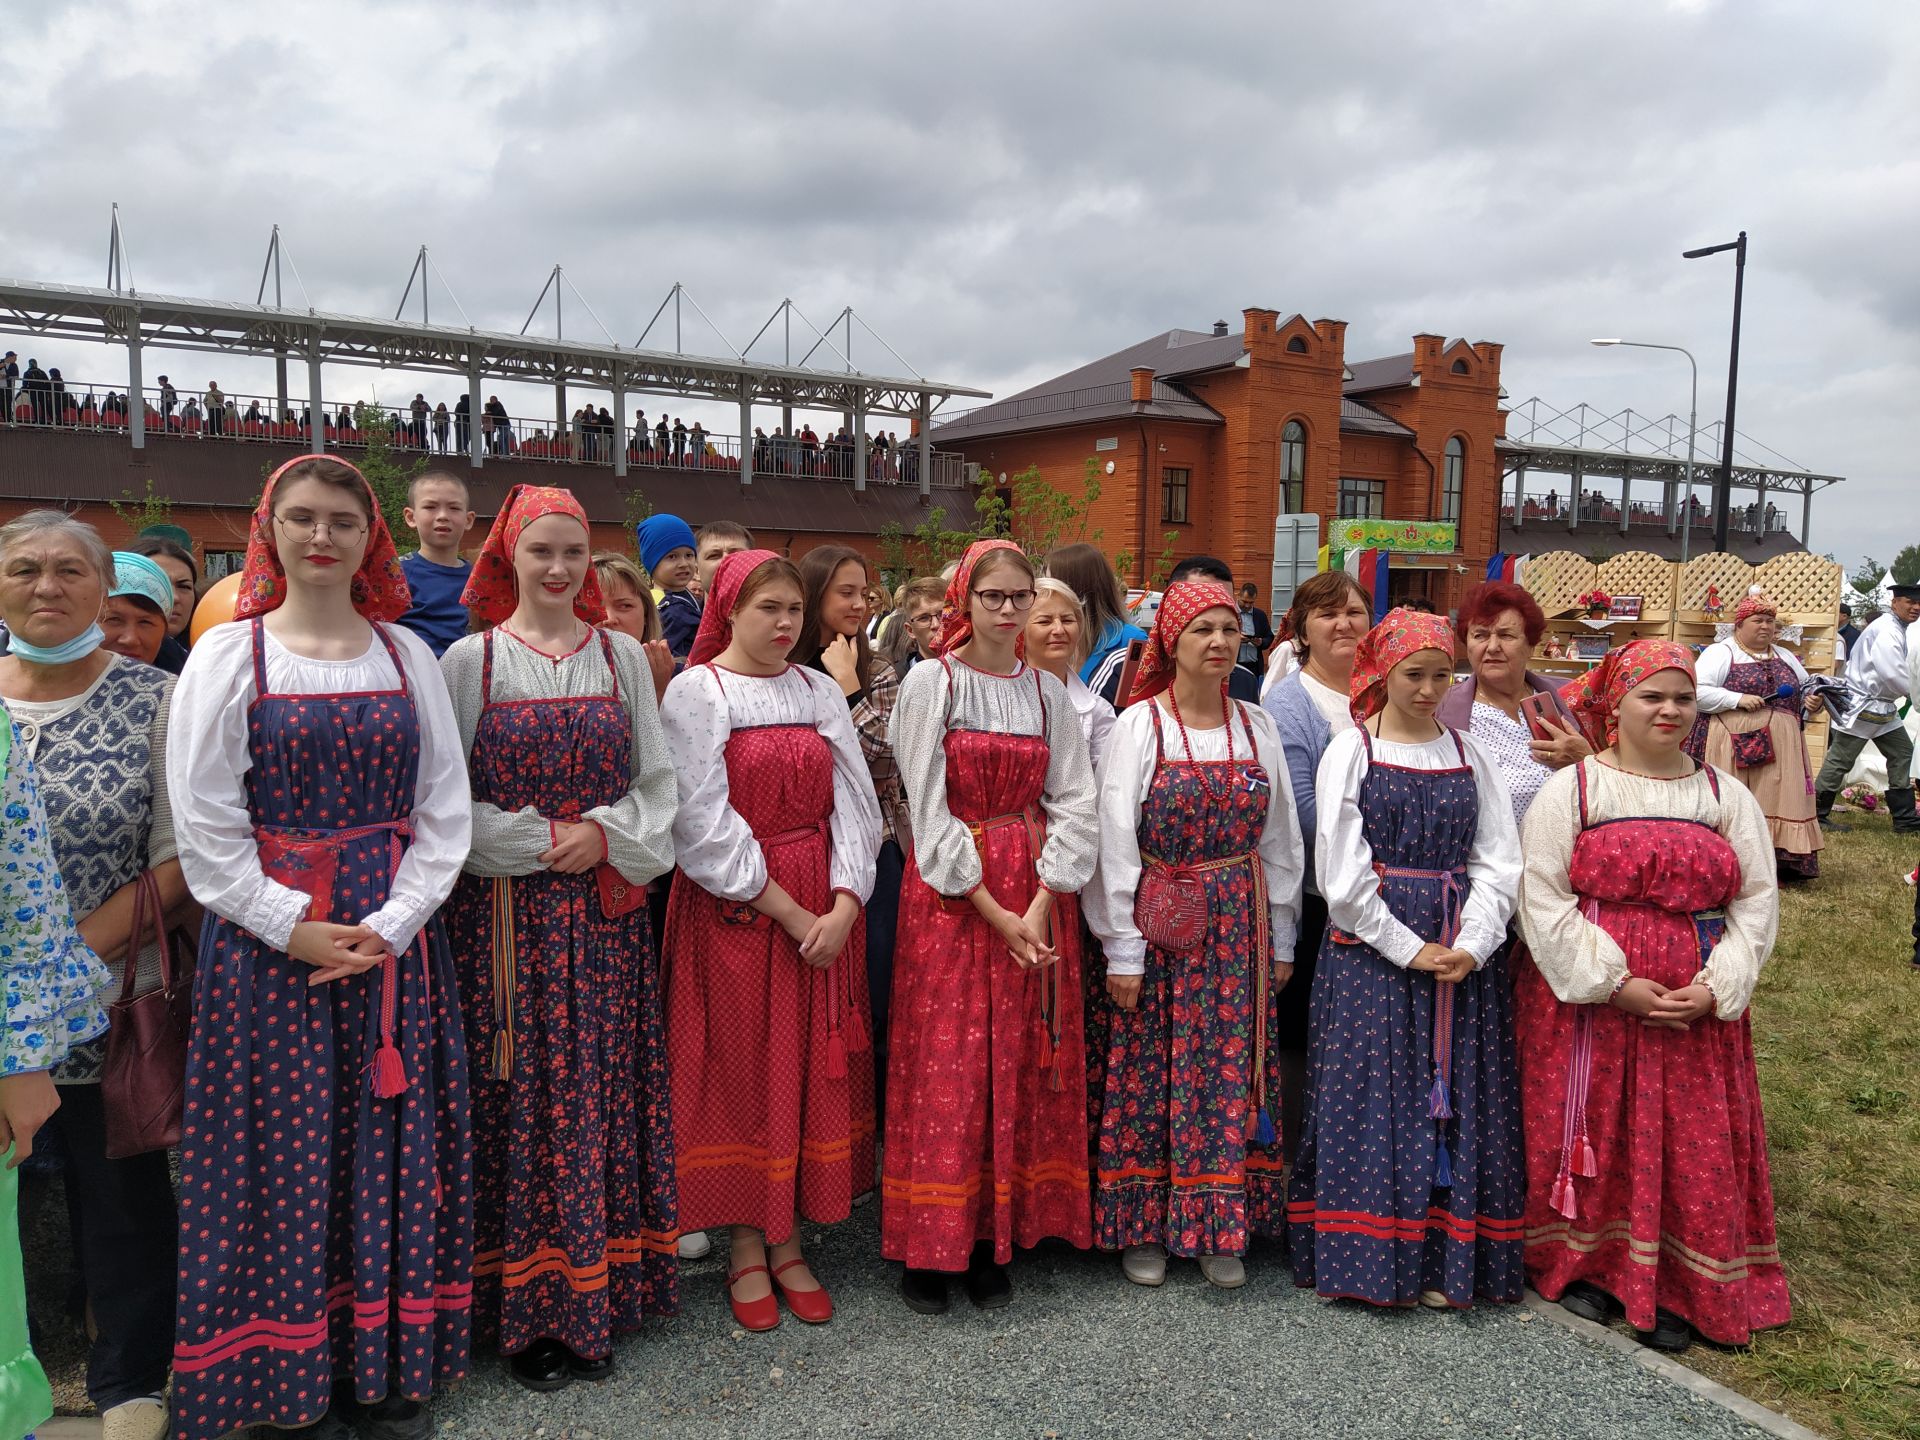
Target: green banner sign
(1408, 537)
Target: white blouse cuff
(275, 909)
(1126, 956)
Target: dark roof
(1102, 389)
(1382, 374)
(1362, 418)
(55, 467)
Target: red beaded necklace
(1226, 711)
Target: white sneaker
(1144, 1264)
(694, 1245)
(1434, 1300)
(135, 1420)
(1226, 1271)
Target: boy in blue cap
(667, 553)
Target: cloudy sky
(1004, 191)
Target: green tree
(1906, 565)
(385, 474)
(1866, 579)
(138, 512)
(637, 508)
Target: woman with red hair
(1500, 626)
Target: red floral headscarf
(716, 621)
(1183, 603)
(1595, 696)
(379, 587)
(956, 620)
(1403, 633)
(1754, 602)
(492, 592)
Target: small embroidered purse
(1752, 749)
(1170, 908)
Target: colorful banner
(1408, 537)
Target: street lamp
(1693, 414)
(1723, 485)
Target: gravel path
(1081, 1353)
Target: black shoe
(1907, 829)
(395, 1418)
(1670, 1334)
(542, 1366)
(1916, 957)
(1828, 823)
(328, 1427)
(988, 1285)
(1589, 1302)
(581, 1368)
(925, 1291)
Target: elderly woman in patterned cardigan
(94, 725)
(1499, 627)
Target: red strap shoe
(814, 1306)
(761, 1314)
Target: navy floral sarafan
(1183, 1160)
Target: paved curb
(1667, 1368)
(68, 1427)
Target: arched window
(1453, 478)
(1297, 346)
(1293, 469)
(1460, 368)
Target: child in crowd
(441, 515)
(718, 540)
(667, 547)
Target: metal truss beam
(107, 316)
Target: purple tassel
(1442, 1168)
(1439, 1100)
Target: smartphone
(1538, 709)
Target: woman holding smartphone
(1516, 714)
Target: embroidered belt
(1440, 1095)
(1034, 821)
(307, 860)
(1261, 1127)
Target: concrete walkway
(1081, 1353)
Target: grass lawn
(1836, 1025)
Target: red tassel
(858, 1041)
(1561, 1198)
(1586, 1166)
(389, 1075)
(836, 1057)
(1046, 1048)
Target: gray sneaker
(1226, 1271)
(1144, 1264)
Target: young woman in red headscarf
(1195, 902)
(766, 958)
(986, 1087)
(1650, 903)
(320, 805)
(573, 804)
(1408, 1183)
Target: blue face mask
(78, 648)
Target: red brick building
(1210, 436)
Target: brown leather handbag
(143, 1088)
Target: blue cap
(138, 576)
(660, 536)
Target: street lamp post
(1723, 483)
(1693, 414)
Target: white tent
(1883, 593)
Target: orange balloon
(215, 607)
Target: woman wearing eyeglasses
(322, 813)
(986, 1144)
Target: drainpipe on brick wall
(1146, 498)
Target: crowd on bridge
(550, 909)
(42, 398)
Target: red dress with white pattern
(1646, 1150)
(772, 1065)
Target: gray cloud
(1005, 190)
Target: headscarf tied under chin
(716, 621)
(1595, 696)
(379, 588)
(1403, 633)
(956, 619)
(1184, 602)
(492, 593)
(1754, 602)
